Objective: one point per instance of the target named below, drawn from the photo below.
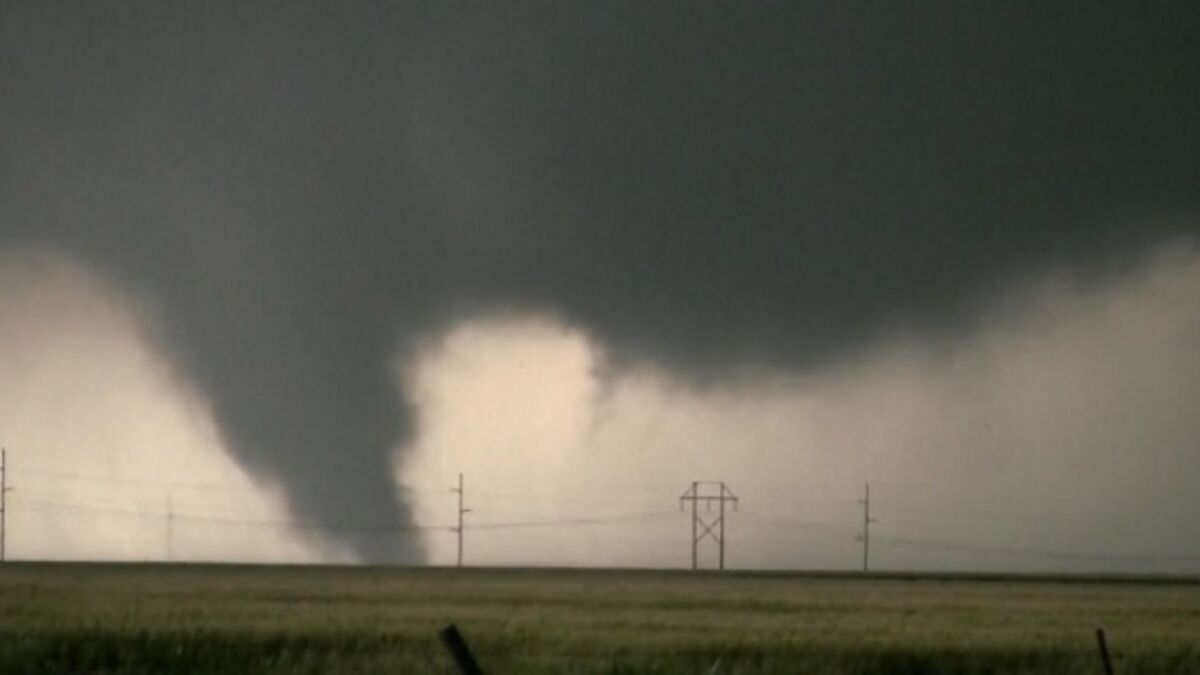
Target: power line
(170, 525)
(461, 512)
(865, 537)
(830, 531)
(4, 490)
(53, 505)
(703, 527)
(705, 524)
(562, 522)
(922, 543)
(137, 482)
(222, 520)
(34, 501)
(159, 484)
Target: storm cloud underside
(303, 194)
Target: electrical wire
(935, 544)
(55, 505)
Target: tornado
(303, 194)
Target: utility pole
(170, 525)
(695, 520)
(461, 512)
(4, 490)
(865, 537)
(708, 492)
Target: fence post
(457, 646)
(1104, 651)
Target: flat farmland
(97, 618)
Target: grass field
(60, 618)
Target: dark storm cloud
(306, 190)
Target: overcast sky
(274, 275)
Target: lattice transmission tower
(706, 524)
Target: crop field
(92, 618)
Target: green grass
(60, 618)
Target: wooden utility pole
(170, 526)
(461, 512)
(865, 537)
(4, 490)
